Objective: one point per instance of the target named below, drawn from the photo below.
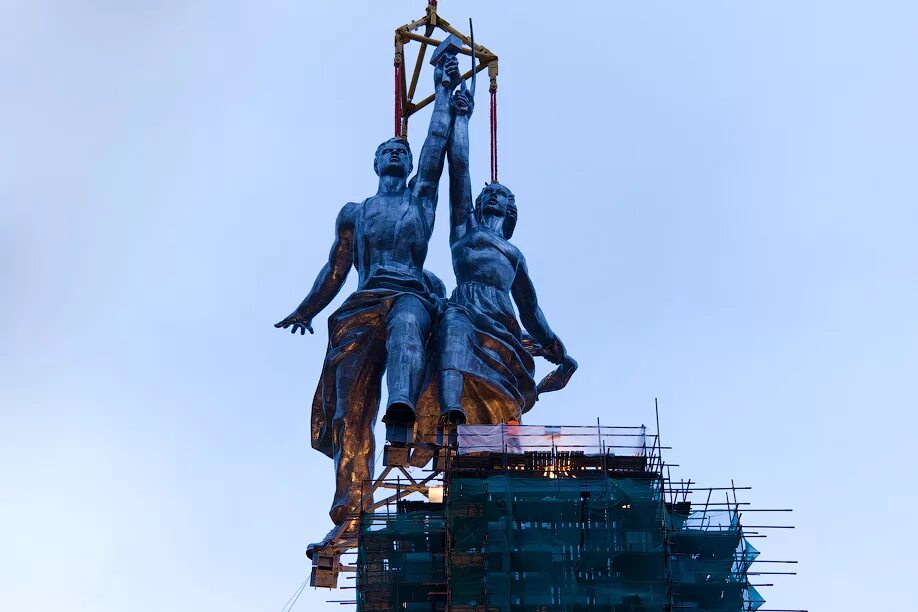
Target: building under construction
(535, 518)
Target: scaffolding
(538, 518)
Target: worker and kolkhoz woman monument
(461, 360)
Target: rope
(493, 134)
(293, 598)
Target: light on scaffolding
(435, 495)
(553, 472)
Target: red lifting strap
(494, 135)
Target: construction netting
(400, 557)
(709, 560)
(523, 543)
(526, 542)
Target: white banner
(518, 439)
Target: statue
(484, 362)
(385, 324)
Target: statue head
(393, 158)
(498, 201)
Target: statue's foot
(454, 416)
(328, 540)
(316, 547)
(399, 420)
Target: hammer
(452, 45)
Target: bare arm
(433, 153)
(531, 315)
(460, 184)
(331, 277)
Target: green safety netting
(526, 543)
(399, 555)
(754, 601)
(558, 543)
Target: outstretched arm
(531, 315)
(331, 276)
(430, 163)
(460, 184)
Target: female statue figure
(484, 368)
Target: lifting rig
(405, 90)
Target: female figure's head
(498, 203)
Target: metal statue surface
(385, 324)
(483, 360)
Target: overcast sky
(717, 202)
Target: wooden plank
(414, 25)
(417, 71)
(484, 54)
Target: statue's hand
(298, 322)
(555, 351)
(446, 73)
(462, 102)
(558, 379)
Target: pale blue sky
(717, 202)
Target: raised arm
(460, 184)
(331, 277)
(531, 315)
(430, 163)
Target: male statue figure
(386, 323)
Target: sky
(717, 203)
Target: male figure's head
(495, 200)
(393, 158)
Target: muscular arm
(460, 184)
(531, 315)
(433, 153)
(331, 277)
